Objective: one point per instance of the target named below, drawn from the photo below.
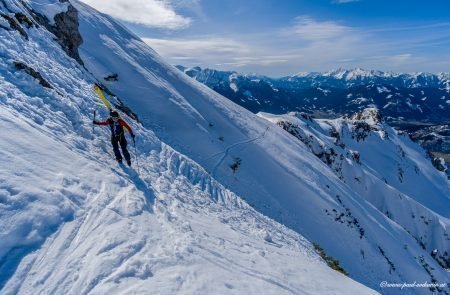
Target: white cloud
(222, 53)
(401, 58)
(307, 28)
(151, 13)
(307, 45)
(200, 47)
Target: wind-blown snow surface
(74, 222)
(112, 235)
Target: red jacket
(116, 127)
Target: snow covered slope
(382, 166)
(79, 226)
(186, 223)
(73, 222)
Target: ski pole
(93, 125)
(135, 154)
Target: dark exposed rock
(438, 163)
(331, 262)
(435, 138)
(391, 264)
(365, 122)
(429, 269)
(356, 156)
(112, 77)
(326, 154)
(346, 218)
(14, 25)
(33, 73)
(236, 164)
(65, 29)
(23, 19)
(306, 116)
(335, 134)
(362, 130)
(368, 114)
(442, 259)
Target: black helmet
(114, 114)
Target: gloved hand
(95, 122)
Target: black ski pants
(116, 140)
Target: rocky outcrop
(370, 115)
(23, 20)
(365, 122)
(65, 28)
(112, 77)
(327, 154)
(33, 73)
(14, 25)
(438, 163)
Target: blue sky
(283, 37)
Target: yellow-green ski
(102, 97)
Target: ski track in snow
(227, 150)
(58, 258)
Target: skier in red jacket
(118, 135)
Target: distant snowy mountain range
(418, 103)
(399, 96)
(218, 200)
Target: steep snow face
(383, 167)
(249, 156)
(82, 227)
(72, 222)
(180, 225)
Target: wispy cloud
(400, 59)
(217, 52)
(309, 44)
(151, 13)
(199, 47)
(411, 28)
(343, 1)
(305, 43)
(308, 28)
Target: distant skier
(118, 135)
